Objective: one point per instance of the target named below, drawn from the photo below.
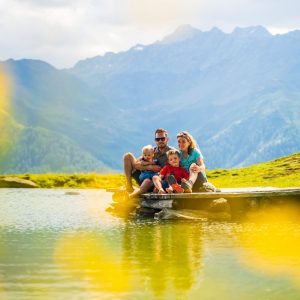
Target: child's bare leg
(169, 190)
(128, 161)
(157, 183)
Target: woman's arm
(199, 166)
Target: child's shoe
(187, 185)
(209, 187)
(175, 186)
(171, 180)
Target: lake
(59, 246)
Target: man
(133, 166)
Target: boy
(170, 176)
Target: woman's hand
(197, 169)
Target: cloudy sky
(62, 32)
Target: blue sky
(62, 32)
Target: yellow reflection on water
(169, 256)
(87, 257)
(162, 260)
(3, 289)
(272, 245)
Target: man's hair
(161, 130)
(147, 148)
(173, 152)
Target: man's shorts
(136, 176)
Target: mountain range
(238, 93)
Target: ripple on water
(32, 209)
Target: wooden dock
(159, 201)
(228, 204)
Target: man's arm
(139, 165)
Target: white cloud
(65, 31)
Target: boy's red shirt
(177, 172)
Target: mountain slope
(38, 150)
(48, 98)
(237, 93)
(221, 87)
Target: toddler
(147, 159)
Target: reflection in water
(272, 245)
(55, 246)
(155, 258)
(164, 254)
(89, 258)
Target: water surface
(58, 246)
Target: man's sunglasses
(160, 139)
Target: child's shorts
(147, 175)
(164, 184)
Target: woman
(192, 161)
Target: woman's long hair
(186, 135)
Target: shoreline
(283, 172)
(220, 178)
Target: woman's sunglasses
(182, 133)
(160, 139)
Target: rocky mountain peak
(182, 33)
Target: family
(163, 169)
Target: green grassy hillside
(282, 172)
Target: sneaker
(177, 188)
(171, 180)
(187, 185)
(209, 187)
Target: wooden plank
(229, 193)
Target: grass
(282, 172)
(82, 180)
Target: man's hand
(139, 166)
(154, 168)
